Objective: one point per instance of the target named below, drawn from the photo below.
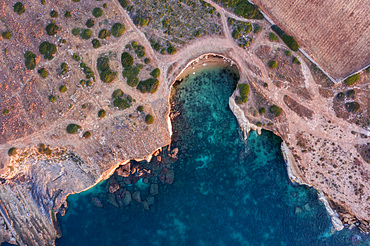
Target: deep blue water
(225, 191)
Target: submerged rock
(127, 198)
(97, 202)
(154, 189)
(136, 196)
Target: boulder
(136, 196)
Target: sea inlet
(217, 190)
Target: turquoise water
(224, 191)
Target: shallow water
(225, 191)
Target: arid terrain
(43, 158)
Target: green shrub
(30, 61)
(140, 108)
(275, 110)
(139, 50)
(171, 50)
(124, 3)
(62, 88)
(19, 8)
(147, 60)
(117, 93)
(126, 59)
(131, 71)
(262, 110)
(367, 69)
(76, 1)
(96, 43)
(43, 2)
(149, 119)
(73, 128)
(141, 21)
(86, 34)
(156, 73)
(352, 79)
(90, 23)
(12, 151)
(67, 14)
(43, 72)
(76, 57)
(236, 34)
(106, 74)
(52, 98)
(105, 5)
(86, 134)
(132, 81)
(101, 113)
(244, 92)
(257, 28)
(352, 107)
(121, 103)
(273, 64)
(351, 94)
(5, 111)
(265, 85)
(75, 31)
(6, 35)
(149, 85)
(259, 124)
(54, 14)
(340, 96)
(118, 30)
(48, 50)
(238, 100)
(273, 37)
(248, 10)
(295, 60)
(51, 29)
(288, 53)
(97, 12)
(104, 34)
(290, 42)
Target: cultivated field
(338, 42)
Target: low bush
(171, 50)
(257, 28)
(259, 124)
(156, 73)
(5, 111)
(244, 92)
(238, 100)
(62, 88)
(118, 30)
(104, 34)
(52, 98)
(106, 74)
(117, 93)
(54, 14)
(340, 96)
(132, 81)
(19, 8)
(86, 34)
(43, 72)
(288, 53)
(75, 31)
(73, 128)
(121, 103)
(352, 107)
(101, 113)
(126, 59)
(290, 42)
(149, 119)
(275, 110)
(139, 50)
(352, 79)
(86, 134)
(262, 110)
(76, 57)
(248, 10)
(67, 14)
(295, 60)
(124, 3)
(351, 94)
(273, 37)
(30, 61)
(96, 43)
(149, 85)
(97, 12)
(48, 50)
(273, 64)
(141, 21)
(90, 23)
(236, 34)
(147, 60)
(140, 108)
(6, 35)
(12, 151)
(51, 29)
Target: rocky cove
(207, 159)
